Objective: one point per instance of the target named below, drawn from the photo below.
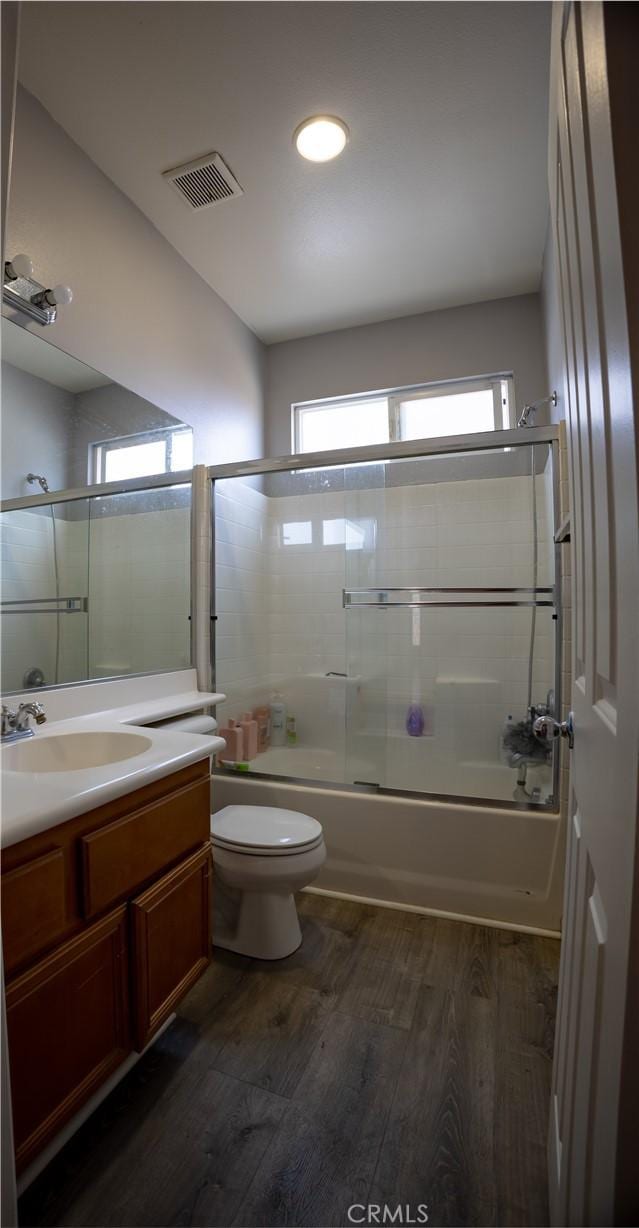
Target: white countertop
(35, 801)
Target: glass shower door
(450, 623)
(368, 679)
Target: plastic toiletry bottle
(278, 720)
(248, 725)
(415, 721)
(291, 731)
(263, 717)
(234, 737)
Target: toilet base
(267, 927)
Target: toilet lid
(264, 827)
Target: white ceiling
(32, 353)
(439, 199)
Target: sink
(72, 752)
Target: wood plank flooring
(393, 1059)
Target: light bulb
(62, 295)
(321, 138)
(22, 265)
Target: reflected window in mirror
(136, 456)
(56, 410)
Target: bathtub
(480, 862)
(406, 774)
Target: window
(457, 407)
(137, 456)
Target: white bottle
(278, 720)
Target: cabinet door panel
(118, 859)
(171, 941)
(68, 1030)
(34, 912)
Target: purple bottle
(415, 721)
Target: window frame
(100, 448)
(501, 383)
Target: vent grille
(203, 183)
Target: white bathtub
(405, 770)
(475, 862)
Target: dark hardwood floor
(394, 1059)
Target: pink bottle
(234, 737)
(263, 717)
(249, 728)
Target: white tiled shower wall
(281, 624)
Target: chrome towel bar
(378, 598)
(54, 605)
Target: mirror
(96, 587)
(74, 426)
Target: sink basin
(72, 752)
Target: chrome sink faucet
(15, 725)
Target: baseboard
(436, 912)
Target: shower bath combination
(458, 537)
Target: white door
(592, 1179)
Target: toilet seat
(264, 831)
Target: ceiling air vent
(204, 182)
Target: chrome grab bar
(499, 597)
(55, 605)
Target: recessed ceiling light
(321, 138)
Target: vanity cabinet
(106, 925)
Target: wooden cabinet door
(171, 941)
(34, 908)
(68, 1030)
(119, 859)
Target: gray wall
(141, 314)
(36, 419)
(502, 335)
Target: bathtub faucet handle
(546, 728)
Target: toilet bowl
(261, 856)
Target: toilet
(261, 856)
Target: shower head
(38, 477)
(523, 419)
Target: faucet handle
(546, 728)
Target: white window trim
(501, 382)
(99, 449)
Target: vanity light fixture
(321, 137)
(19, 290)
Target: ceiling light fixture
(321, 137)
